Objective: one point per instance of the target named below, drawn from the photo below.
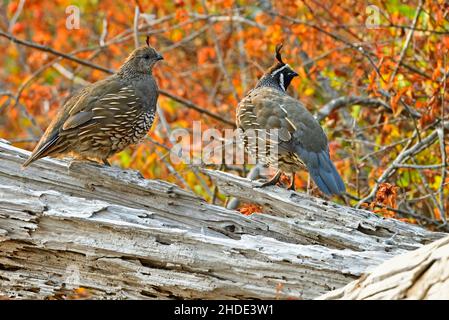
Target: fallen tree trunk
(418, 275)
(121, 236)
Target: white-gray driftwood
(420, 274)
(121, 236)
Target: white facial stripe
(283, 109)
(280, 69)
(281, 81)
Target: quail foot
(105, 117)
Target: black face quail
(107, 116)
(301, 142)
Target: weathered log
(418, 275)
(321, 222)
(121, 236)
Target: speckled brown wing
(262, 110)
(101, 119)
(301, 141)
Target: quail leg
(309, 185)
(106, 162)
(272, 181)
(292, 184)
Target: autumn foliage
(391, 155)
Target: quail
(300, 141)
(105, 117)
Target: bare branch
(404, 155)
(89, 64)
(357, 47)
(347, 101)
(55, 52)
(104, 33)
(167, 129)
(407, 41)
(220, 56)
(16, 15)
(187, 39)
(136, 26)
(425, 185)
(420, 166)
(406, 213)
(440, 132)
(231, 18)
(196, 107)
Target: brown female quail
(107, 116)
(301, 142)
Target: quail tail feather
(41, 151)
(322, 170)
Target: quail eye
(146, 57)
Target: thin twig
(357, 47)
(185, 102)
(420, 166)
(440, 132)
(425, 185)
(172, 170)
(196, 107)
(187, 39)
(242, 57)
(401, 58)
(220, 56)
(410, 213)
(55, 52)
(407, 41)
(136, 26)
(404, 155)
(346, 101)
(16, 15)
(392, 25)
(414, 114)
(230, 18)
(104, 33)
(167, 129)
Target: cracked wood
(120, 236)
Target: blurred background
(375, 74)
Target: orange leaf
(249, 209)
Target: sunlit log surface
(420, 274)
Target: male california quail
(105, 117)
(301, 142)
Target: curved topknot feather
(278, 53)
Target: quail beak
(159, 57)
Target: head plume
(141, 60)
(278, 62)
(278, 53)
(279, 75)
